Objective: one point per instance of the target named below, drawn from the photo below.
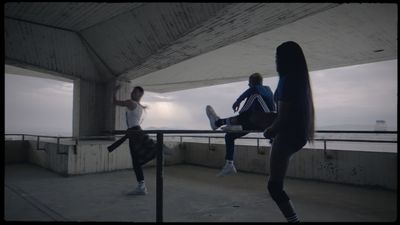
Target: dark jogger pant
(249, 121)
(133, 143)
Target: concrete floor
(191, 194)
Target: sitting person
(256, 114)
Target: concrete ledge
(347, 167)
(338, 166)
(49, 157)
(90, 157)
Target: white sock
(293, 218)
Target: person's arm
(126, 103)
(283, 111)
(244, 95)
(266, 91)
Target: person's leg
(141, 187)
(229, 167)
(261, 120)
(241, 119)
(227, 121)
(136, 166)
(230, 144)
(279, 162)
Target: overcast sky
(352, 97)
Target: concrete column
(93, 112)
(124, 93)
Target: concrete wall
(93, 111)
(91, 105)
(48, 157)
(88, 157)
(349, 167)
(247, 158)
(15, 151)
(94, 157)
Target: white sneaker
(139, 190)
(227, 170)
(232, 128)
(212, 116)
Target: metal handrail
(46, 136)
(317, 139)
(159, 154)
(325, 140)
(357, 131)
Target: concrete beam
(234, 23)
(57, 51)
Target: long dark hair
(290, 62)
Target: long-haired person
(294, 125)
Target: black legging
(132, 146)
(249, 121)
(282, 150)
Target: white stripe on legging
(262, 103)
(250, 101)
(292, 218)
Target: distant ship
(380, 125)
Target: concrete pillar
(124, 93)
(93, 112)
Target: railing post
(37, 142)
(159, 181)
(23, 137)
(58, 145)
(76, 145)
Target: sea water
(318, 144)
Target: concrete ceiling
(174, 46)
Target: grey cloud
(348, 95)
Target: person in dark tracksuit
(294, 125)
(257, 113)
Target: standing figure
(137, 141)
(294, 125)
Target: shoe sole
(133, 194)
(226, 174)
(212, 116)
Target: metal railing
(160, 142)
(159, 157)
(324, 140)
(58, 140)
